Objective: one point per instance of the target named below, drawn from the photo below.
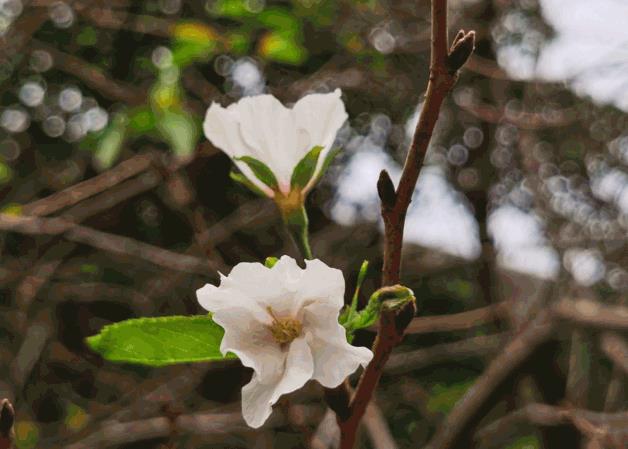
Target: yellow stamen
(284, 330)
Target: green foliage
(241, 179)
(331, 155)
(444, 397)
(87, 37)
(160, 341)
(26, 434)
(526, 442)
(460, 288)
(174, 123)
(304, 170)
(76, 417)
(5, 173)
(283, 48)
(193, 41)
(109, 143)
(260, 170)
(235, 9)
(282, 40)
(179, 129)
(142, 120)
(349, 312)
(280, 20)
(238, 42)
(392, 298)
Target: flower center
(284, 330)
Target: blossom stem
(297, 223)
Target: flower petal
(268, 126)
(323, 283)
(256, 403)
(222, 129)
(252, 341)
(299, 287)
(322, 115)
(258, 397)
(334, 357)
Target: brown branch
(444, 68)
(508, 360)
(83, 190)
(101, 240)
(616, 348)
(591, 313)
(35, 340)
(522, 119)
(577, 388)
(457, 321)
(115, 433)
(37, 277)
(480, 346)
(591, 424)
(142, 24)
(327, 434)
(377, 428)
(93, 77)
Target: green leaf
(305, 169)
(260, 170)
(331, 155)
(142, 120)
(391, 298)
(193, 41)
(246, 182)
(109, 144)
(5, 173)
(444, 397)
(235, 9)
(238, 42)
(160, 341)
(179, 129)
(280, 20)
(349, 312)
(526, 442)
(282, 47)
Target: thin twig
(457, 321)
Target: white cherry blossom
(263, 128)
(283, 323)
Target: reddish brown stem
(444, 66)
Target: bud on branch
(460, 51)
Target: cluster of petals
(262, 128)
(253, 300)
